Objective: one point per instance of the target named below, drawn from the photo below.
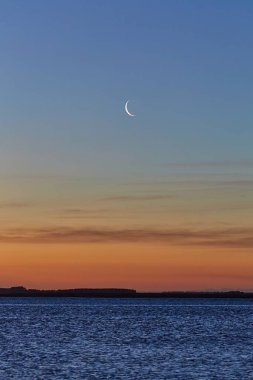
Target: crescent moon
(126, 109)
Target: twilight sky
(90, 197)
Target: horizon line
(221, 290)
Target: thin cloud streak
(212, 164)
(148, 197)
(85, 214)
(9, 205)
(227, 238)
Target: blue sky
(68, 67)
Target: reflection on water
(125, 339)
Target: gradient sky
(90, 197)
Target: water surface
(121, 339)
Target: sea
(125, 339)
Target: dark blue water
(125, 339)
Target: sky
(90, 197)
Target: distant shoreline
(20, 291)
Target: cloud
(81, 211)
(77, 213)
(143, 197)
(9, 205)
(227, 238)
(212, 164)
(198, 184)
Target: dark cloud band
(229, 238)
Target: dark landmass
(20, 291)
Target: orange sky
(180, 234)
(138, 266)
